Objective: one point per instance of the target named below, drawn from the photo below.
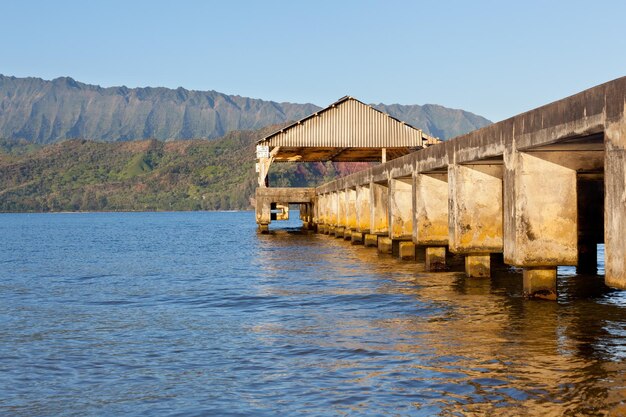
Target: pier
(542, 188)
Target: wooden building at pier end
(542, 188)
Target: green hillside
(80, 175)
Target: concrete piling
(435, 258)
(385, 245)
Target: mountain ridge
(47, 111)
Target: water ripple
(194, 314)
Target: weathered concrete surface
(339, 231)
(363, 208)
(540, 224)
(265, 197)
(615, 197)
(435, 258)
(357, 238)
(351, 215)
(544, 151)
(371, 240)
(475, 208)
(342, 208)
(320, 211)
(406, 251)
(379, 198)
(430, 209)
(333, 209)
(347, 233)
(540, 283)
(478, 266)
(400, 209)
(385, 245)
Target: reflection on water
(211, 319)
(472, 346)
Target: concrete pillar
(540, 282)
(332, 211)
(430, 221)
(306, 215)
(541, 213)
(385, 245)
(341, 214)
(363, 209)
(478, 266)
(475, 214)
(615, 194)
(379, 198)
(357, 238)
(341, 208)
(475, 208)
(370, 240)
(263, 214)
(350, 220)
(435, 258)
(540, 221)
(406, 251)
(401, 209)
(430, 209)
(320, 213)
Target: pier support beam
(540, 282)
(406, 251)
(430, 221)
(351, 215)
(615, 199)
(435, 258)
(342, 210)
(541, 212)
(540, 225)
(475, 215)
(478, 266)
(357, 238)
(379, 197)
(401, 209)
(363, 208)
(385, 245)
(371, 240)
(333, 203)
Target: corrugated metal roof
(348, 123)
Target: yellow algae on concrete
(430, 224)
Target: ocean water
(195, 314)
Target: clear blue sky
(493, 58)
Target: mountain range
(43, 112)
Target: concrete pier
(538, 191)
